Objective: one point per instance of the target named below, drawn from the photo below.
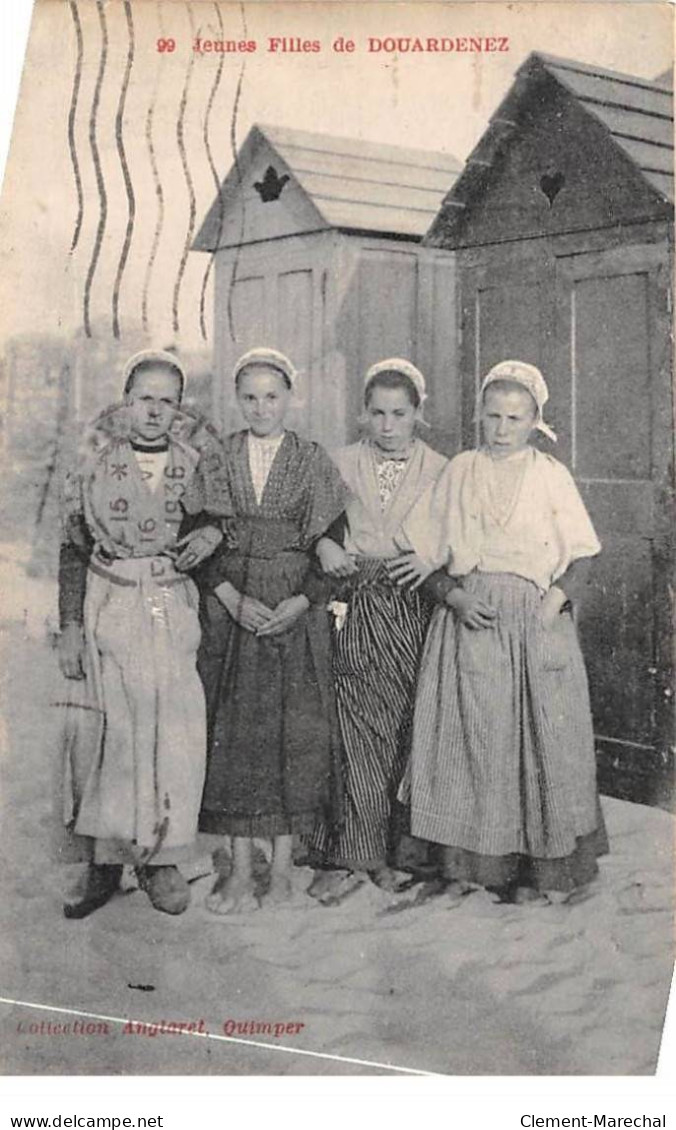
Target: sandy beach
(372, 986)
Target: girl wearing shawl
(502, 770)
(380, 627)
(265, 654)
(130, 629)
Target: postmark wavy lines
(238, 170)
(72, 113)
(159, 190)
(192, 211)
(98, 171)
(119, 140)
(214, 172)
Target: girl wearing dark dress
(265, 651)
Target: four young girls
(484, 730)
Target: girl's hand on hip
(333, 559)
(552, 603)
(285, 615)
(471, 610)
(71, 650)
(408, 569)
(197, 546)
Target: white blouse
(533, 525)
(262, 452)
(151, 465)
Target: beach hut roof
(351, 184)
(637, 115)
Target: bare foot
(557, 898)
(421, 893)
(390, 880)
(279, 891)
(347, 882)
(324, 882)
(235, 896)
(527, 896)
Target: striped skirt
(375, 664)
(502, 768)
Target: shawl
(372, 531)
(547, 529)
(107, 491)
(303, 487)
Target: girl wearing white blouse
(502, 770)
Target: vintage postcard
(337, 540)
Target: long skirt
(502, 768)
(273, 746)
(375, 665)
(136, 790)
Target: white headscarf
(272, 359)
(528, 377)
(407, 369)
(398, 365)
(153, 356)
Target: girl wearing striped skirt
(379, 627)
(502, 770)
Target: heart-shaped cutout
(551, 184)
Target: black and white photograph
(337, 541)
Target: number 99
(166, 45)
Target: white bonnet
(399, 365)
(153, 356)
(272, 358)
(530, 378)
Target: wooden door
(507, 311)
(613, 349)
(398, 300)
(385, 297)
(274, 297)
(598, 325)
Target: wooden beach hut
(317, 245)
(562, 222)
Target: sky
(439, 102)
